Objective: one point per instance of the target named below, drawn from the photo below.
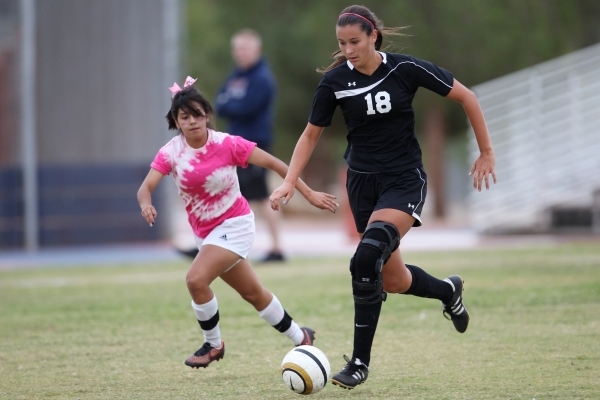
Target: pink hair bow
(189, 81)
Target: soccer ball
(305, 369)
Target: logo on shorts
(224, 237)
(411, 206)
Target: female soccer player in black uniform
(386, 182)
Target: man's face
(245, 51)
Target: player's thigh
(225, 244)
(210, 263)
(400, 219)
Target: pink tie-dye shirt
(207, 178)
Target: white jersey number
(382, 103)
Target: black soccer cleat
(189, 253)
(273, 256)
(456, 311)
(352, 375)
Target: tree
(476, 40)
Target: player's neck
(196, 142)
(371, 65)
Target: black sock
(210, 323)
(285, 323)
(366, 317)
(425, 285)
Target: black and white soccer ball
(305, 369)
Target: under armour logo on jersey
(411, 206)
(351, 83)
(224, 237)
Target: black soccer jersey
(378, 109)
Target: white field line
(119, 279)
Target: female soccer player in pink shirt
(203, 163)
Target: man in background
(246, 101)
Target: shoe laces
(205, 349)
(351, 366)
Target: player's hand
(149, 213)
(284, 193)
(482, 168)
(323, 201)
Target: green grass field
(123, 332)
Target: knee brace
(379, 241)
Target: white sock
(274, 314)
(295, 333)
(204, 312)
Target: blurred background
(84, 91)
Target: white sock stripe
(295, 333)
(213, 336)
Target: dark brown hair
(367, 16)
(186, 100)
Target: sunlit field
(123, 332)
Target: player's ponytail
(360, 15)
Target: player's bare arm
(144, 195)
(302, 152)
(485, 163)
(323, 201)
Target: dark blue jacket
(246, 101)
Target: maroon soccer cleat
(309, 336)
(205, 355)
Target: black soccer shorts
(253, 182)
(371, 191)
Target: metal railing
(545, 127)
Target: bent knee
(196, 282)
(395, 285)
(252, 295)
(392, 287)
